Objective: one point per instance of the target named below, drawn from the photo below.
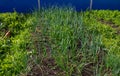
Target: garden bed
(60, 41)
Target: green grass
(71, 36)
(60, 41)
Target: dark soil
(48, 67)
(88, 69)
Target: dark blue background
(29, 5)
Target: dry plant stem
(7, 34)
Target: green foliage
(107, 15)
(106, 23)
(13, 49)
(4, 47)
(14, 22)
(16, 60)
